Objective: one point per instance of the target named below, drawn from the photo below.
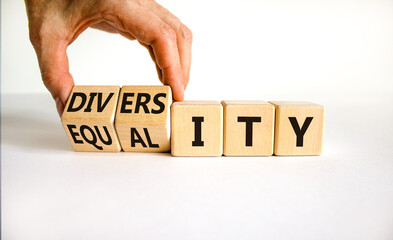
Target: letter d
(71, 107)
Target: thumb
(53, 61)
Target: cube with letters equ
(88, 118)
(143, 118)
(298, 128)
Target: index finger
(149, 29)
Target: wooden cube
(88, 118)
(197, 128)
(143, 118)
(299, 128)
(248, 128)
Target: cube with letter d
(88, 118)
(143, 118)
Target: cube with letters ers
(248, 128)
(88, 118)
(143, 118)
(299, 128)
(196, 128)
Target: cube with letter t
(88, 118)
(299, 128)
(248, 128)
(196, 128)
(143, 118)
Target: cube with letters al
(88, 118)
(143, 118)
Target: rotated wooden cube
(248, 128)
(143, 118)
(88, 118)
(196, 128)
(298, 128)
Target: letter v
(100, 106)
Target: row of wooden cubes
(143, 119)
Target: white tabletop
(51, 192)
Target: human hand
(55, 24)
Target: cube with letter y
(143, 118)
(248, 128)
(196, 128)
(299, 128)
(88, 118)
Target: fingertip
(59, 106)
(178, 96)
(66, 91)
(173, 78)
(178, 93)
(60, 93)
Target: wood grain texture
(143, 118)
(186, 140)
(305, 118)
(255, 116)
(88, 118)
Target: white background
(336, 53)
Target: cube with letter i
(143, 118)
(196, 128)
(248, 128)
(88, 118)
(298, 128)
